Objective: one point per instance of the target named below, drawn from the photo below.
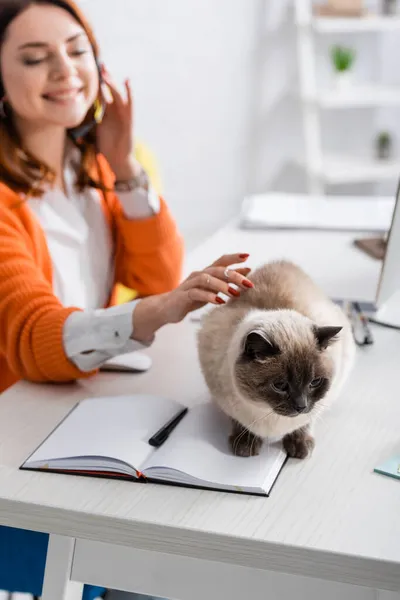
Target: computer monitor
(388, 292)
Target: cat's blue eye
(316, 382)
(280, 386)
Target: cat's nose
(300, 403)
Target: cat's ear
(257, 347)
(326, 335)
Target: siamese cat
(276, 358)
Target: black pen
(162, 434)
(368, 339)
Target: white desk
(330, 525)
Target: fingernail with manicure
(244, 255)
(233, 291)
(219, 300)
(247, 283)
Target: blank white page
(116, 427)
(199, 447)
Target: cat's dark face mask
(290, 381)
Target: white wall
(190, 63)
(210, 79)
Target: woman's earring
(98, 111)
(2, 110)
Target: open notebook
(109, 437)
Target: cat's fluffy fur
(287, 313)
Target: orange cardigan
(149, 256)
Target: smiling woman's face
(48, 68)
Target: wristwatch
(128, 185)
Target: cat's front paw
(245, 444)
(299, 444)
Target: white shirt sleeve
(92, 337)
(140, 203)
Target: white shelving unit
(354, 24)
(362, 95)
(324, 170)
(337, 170)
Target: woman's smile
(65, 96)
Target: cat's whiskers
(257, 421)
(320, 408)
(319, 412)
(246, 430)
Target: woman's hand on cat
(200, 288)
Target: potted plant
(343, 59)
(389, 7)
(384, 145)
